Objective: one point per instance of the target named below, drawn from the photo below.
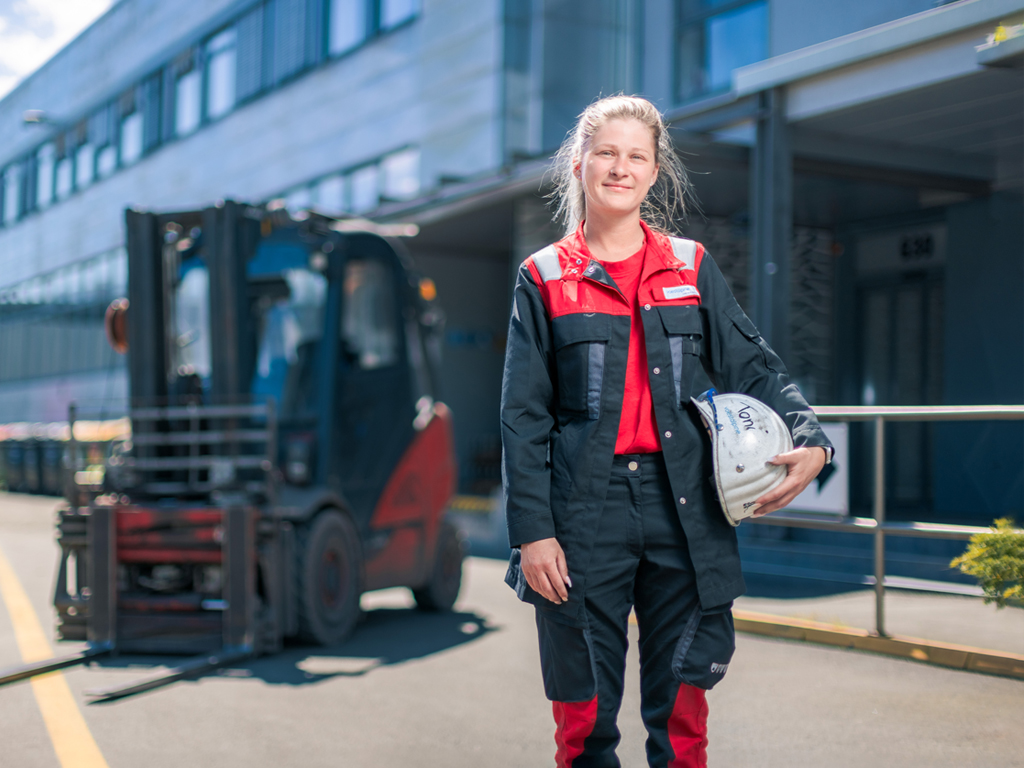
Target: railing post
(879, 522)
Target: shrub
(996, 560)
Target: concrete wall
(433, 84)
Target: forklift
(286, 453)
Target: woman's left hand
(802, 465)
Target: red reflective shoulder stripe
(574, 722)
(688, 729)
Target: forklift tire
(329, 574)
(440, 593)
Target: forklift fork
(239, 623)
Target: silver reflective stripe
(675, 344)
(595, 375)
(546, 260)
(684, 250)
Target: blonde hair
(665, 203)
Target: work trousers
(640, 560)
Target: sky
(32, 31)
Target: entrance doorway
(899, 328)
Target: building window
(714, 37)
(188, 90)
(400, 175)
(131, 126)
(365, 189)
(131, 138)
(106, 161)
(291, 51)
(65, 176)
(329, 195)
(45, 160)
(85, 160)
(221, 73)
(249, 53)
(12, 190)
(347, 25)
(395, 12)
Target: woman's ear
(576, 170)
(654, 178)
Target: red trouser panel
(574, 721)
(688, 729)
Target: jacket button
(647, 306)
(668, 434)
(682, 499)
(657, 371)
(633, 466)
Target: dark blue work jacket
(565, 371)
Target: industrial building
(860, 169)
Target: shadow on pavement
(384, 637)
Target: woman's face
(617, 168)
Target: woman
(605, 463)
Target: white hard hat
(745, 434)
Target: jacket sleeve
(738, 359)
(527, 416)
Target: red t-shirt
(638, 431)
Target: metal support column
(771, 209)
(879, 523)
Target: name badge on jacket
(680, 291)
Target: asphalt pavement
(464, 689)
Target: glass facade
(714, 37)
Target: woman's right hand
(543, 564)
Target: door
(900, 325)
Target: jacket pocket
(685, 333)
(580, 342)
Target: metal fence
(877, 525)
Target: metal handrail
(877, 525)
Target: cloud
(32, 31)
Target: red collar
(574, 256)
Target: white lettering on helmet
(719, 669)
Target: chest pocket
(580, 342)
(685, 333)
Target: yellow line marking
(72, 741)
